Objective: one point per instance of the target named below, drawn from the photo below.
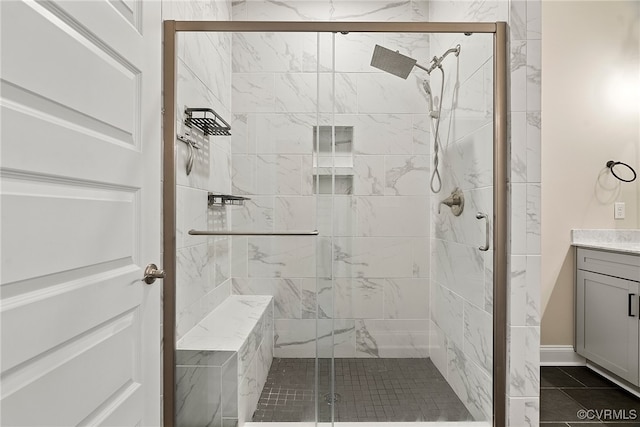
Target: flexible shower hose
(435, 175)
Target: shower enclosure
(314, 274)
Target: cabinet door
(607, 323)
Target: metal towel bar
(253, 233)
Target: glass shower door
(411, 290)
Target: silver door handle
(481, 215)
(151, 273)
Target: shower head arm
(428, 70)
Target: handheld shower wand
(401, 65)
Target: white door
(80, 170)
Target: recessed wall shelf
(207, 120)
(226, 199)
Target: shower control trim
(481, 215)
(455, 201)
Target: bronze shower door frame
(500, 175)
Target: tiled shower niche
(333, 160)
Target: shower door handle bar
(252, 233)
(481, 215)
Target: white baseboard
(560, 355)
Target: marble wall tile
(317, 298)
(523, 292)
(243, 174)
(379, 133)
(294, 338)
(406, 298)
(266, 52)
(392, 338)
(239, 256)
(239, 137)
(214, 298)
(219, 262)
(282, 174)
(360, 298)
(198, 396)
(353, 52)
(282, 133)
(317, 52)
(264, 10)
(287, 294)
(210, 62)
(336, 338)
(391, 216)
(438, 348)
(191, 213)
(192, 281)
(220, 174)
(368, 175)
(518, 146)
(406, 175)
(533, 224)
(296, 92)
(524, 361)
(478, 336)
(282, 257)
(469, 162)
(518, 219)
(534, 127)
(373, 257)
(294, 213)
(336, 215)
(461, 269)
(420, 10)
(534, 64)
(421, 257)
(447, 313)
(523, 411)
(471, 383)
(230, 388)
(518, 19)
(248, 395)
(518, 76)
(534, 19)
(253, 92)
(422, 128)
(386, 93)
(338, 92)
(354, 10)
(256, 214)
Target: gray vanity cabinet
(608, 311)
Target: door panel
(80, 213)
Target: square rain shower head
(392, 62)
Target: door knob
(151, 273)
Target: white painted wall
(591, 114)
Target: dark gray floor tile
(554, 377)
(587, 377)
(556, 406)
(370, 390)
(601, 399)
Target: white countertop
(626, 241)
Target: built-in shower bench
(228, 352)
